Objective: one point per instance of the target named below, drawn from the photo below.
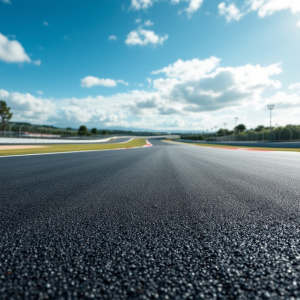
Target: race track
(172, 221)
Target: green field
(78, 147)
(238, 147)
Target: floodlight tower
(270, 108)
(236, 119)
(224, 128)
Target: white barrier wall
(47, 141)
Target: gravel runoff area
(165, 222)
(16, 147)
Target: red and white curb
(148, 144)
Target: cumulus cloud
(190, 69)
(193, 5)
(201, 85)
(138, 21)
(141, 4)
(40, 92)
(230, 12)
(148, 23)
(294, 86)
(112, 38)
(268, 7)
(143, 37)
(90, 81)
(262, 7)
(28, 107)
(186, 94)
(12, 51)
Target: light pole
(224, 128)
(270, 107)
(236, 119)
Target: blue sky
(151, 64)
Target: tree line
(259, 133)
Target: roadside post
(270, 107)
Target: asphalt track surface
(171, 221)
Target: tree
(82, 130)
(104, 132)
(5, 114)
(240, 128)
(259, 128)
(94, 131)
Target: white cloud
(28, 107)
(263, 7)
(12, 51)
(193, 5)
(138, 21)
(268, 7)
(46, 23)
(191, 69)
(148, 23)
(122, 81)
(90, 81)
(294, 86)
(6, 1)
(298, 24)
(149, 80)
(37, 62)
(230, 12)
(143, 37)
(188, 94)
(40, 92)
(199, 86)
(112, 38)
(141, 4)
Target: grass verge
(79, 147)
(238, 147)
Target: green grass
(77, 147)
(236, 147)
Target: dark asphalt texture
(171, 221)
